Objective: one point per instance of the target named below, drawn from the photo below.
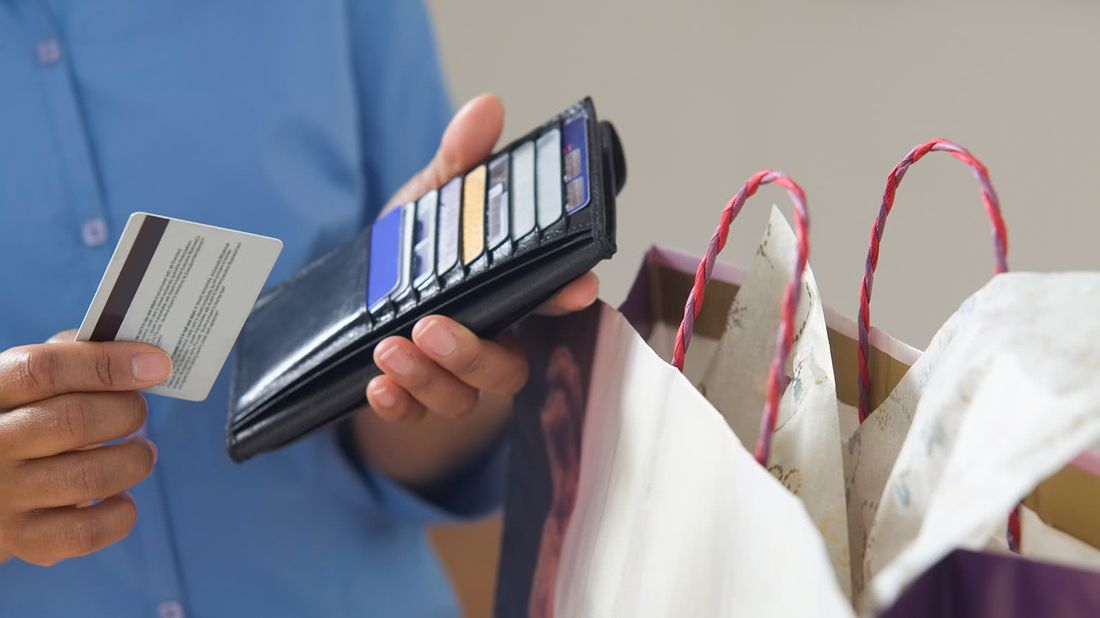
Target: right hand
(58, 402)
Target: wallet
(485, 249)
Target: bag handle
(1000, 245)
(1000, 248)
(789, 306)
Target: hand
(58, 402)
(445, 367)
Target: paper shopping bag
(630, 496)
(968, 433)
(969, 584)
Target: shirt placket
(83, 193)
(79, 177)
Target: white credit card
(182, 286)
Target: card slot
(523, 190)
(575, 162)
(405, 256)
(548, 178)
(449, 227)
(425, 239)
(385, 251)
(498, 202)
(473, 215)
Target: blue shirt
(280, 117)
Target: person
(290, 119)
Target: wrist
(421, 454)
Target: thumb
(469, 138)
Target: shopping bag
(969, 584)
(617, 507)
(989, 411)
(630, 496)
(667, 516)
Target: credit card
(385, 258)
(498, 201)
(185, 287)
(548, 163)
(450, 209)
(575, 155)
(424, 242)
(523, 190)
(404, 264)
(473, 215)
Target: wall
(705, 93)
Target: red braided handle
(1000, 244)
(790, 297)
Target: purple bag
(968, 584)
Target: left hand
(445, 366)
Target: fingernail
(438, 339)
(156, 451)
(151, 367)
(385, 396)
(398, 361)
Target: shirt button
(94, 232)
(170, 609)
(49, 52)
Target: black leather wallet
(486, 249)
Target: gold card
(473, 215)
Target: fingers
(68, 422)
(80, 476)
(578, 295)
(421, 379)
(47, 537)
(391, 401)
(469, 138)
(481, 363)
(36, 372)
(65, 335)
(443, 369)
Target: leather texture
(305, 355)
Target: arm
(446, 394)
(436, 408)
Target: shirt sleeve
(404, 108)
(472, 492)
(403, 102)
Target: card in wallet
(486, 249)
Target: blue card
(575, 158)
(385, 257)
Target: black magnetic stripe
(129, 278)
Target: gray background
(834, 93)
